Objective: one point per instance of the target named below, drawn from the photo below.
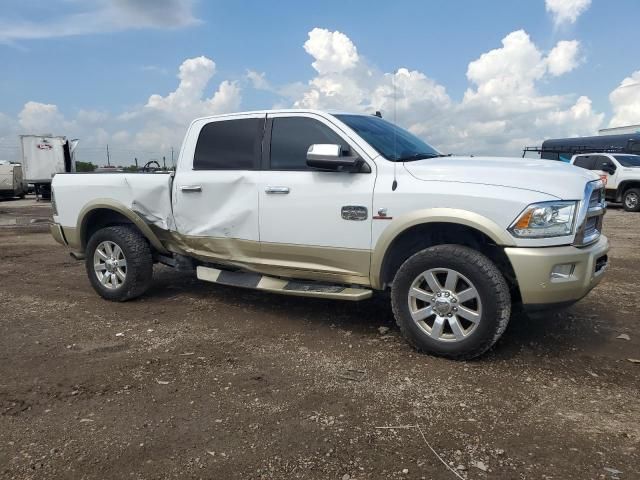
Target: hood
(551, 177)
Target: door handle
(277, 190)
(191, 188)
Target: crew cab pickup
(338, 205)
(621, 173)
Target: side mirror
(607, 167)
(328, 157)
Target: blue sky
(108, 58)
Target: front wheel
(119, 263)
(451, 301)
(631, 200)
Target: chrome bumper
(534, 266)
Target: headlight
(546, 219)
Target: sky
(466, 76)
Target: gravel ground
(196, 380)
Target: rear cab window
(229, 145)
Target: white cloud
(500, 112)
(332, 51)
(100, 16)
(563, 58)
(166, 117)
(40, 117)
(147, 131)
(566, 11)
(258, 80)
(625, 101)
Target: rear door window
(229, 145)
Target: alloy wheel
(110, 265)
(444, 304)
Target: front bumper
(534, 266)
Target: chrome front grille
(590, 215)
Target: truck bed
(147, 194)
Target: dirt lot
(197, 380)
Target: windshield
(628, 160)
(389, 140)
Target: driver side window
(291, 138)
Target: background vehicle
(11, 182)
(42, 157)
(564, 148)
(623, 176)
(307, 203)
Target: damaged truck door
(215, 192)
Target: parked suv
(309, 203)
(622, 172)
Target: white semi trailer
(42, 157)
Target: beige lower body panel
(533, 267)
(339, 265)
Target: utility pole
(108, 157)
(164, 163)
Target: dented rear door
(215, 196)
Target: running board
(299, 288)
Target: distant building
(620, 130)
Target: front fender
(432, 215)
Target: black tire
(489, 283)
(139, 262)
(627, 203)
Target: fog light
(563, 271)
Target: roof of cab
(281, 110)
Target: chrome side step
(299, 288)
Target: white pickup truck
(621, 172)
(338, 206)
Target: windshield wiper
(421, 156)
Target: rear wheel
(451, 301)
(119, 263)
(631, 200)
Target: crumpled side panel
(151, 199)
(146, 194)
(226, 206)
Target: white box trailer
(43, 156)
(11, 181)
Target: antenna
(394, 185)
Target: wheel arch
(411, 233)
(624, 186)
(102, 213)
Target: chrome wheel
(110, 265)
(444, 304)
(631, 200)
